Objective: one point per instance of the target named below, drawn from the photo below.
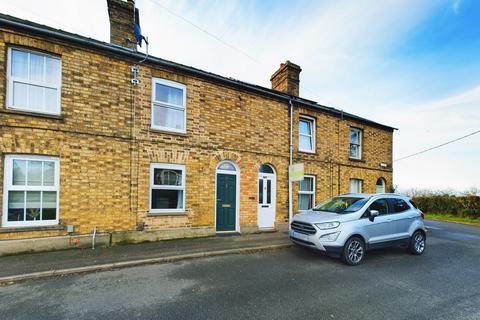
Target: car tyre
(353, 251)
(417, 243)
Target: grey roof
(43, 30)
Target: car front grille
(303, 227)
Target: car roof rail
(390, 194)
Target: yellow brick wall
(105, 169)
(91, 138)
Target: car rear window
(398, 205)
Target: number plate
(299, 235)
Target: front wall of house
(222, 124)
(105, 173)
(330, 163)
(91, 137)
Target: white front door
(266, 200)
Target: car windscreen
(341, 205)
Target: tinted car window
(413, 204)
(398, 205)
(380, 205)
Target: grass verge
(452, 218)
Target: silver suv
(350, 224)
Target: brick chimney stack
(287, 78)
(122, 19)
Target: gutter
(130, 53)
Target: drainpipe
(290, 162)
(94, 237)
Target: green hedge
(464, 206)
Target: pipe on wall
(290, 162)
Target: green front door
(226, 201)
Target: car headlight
(330, 236)
(327, 225)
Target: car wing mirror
(373, 214)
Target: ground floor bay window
(167, 188)
(31, 190)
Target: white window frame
(169, 105)
(360, 181)
(11, 79)
(360, 145)
(167, 166)
(308, 192)
(312, 136)
(8, 186)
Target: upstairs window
(355, 143)
(356, 186)
(168, 106)
(306, 135)
(33, 81)
(31, 186)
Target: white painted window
(356, 186)
(167, 188)
(306, 193)
(306, 134)
(33, 81)
(31, 191)
(168, 105)
(355, 143)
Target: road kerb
(125, 264)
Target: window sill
(306, 151)
(32, 114)
(176, 133)
(356, 160)
(171, 213)
(30, 229)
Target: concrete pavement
(46, 264)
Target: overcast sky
(414, 65)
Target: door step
(266, 230)
(227, 233)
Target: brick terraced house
(181, 153)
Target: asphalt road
(293, 283)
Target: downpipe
(290, 161)
(94, 235)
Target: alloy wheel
(419, 243)
(355, 251)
